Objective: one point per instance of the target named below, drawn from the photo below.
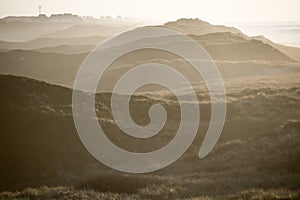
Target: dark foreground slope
(257, 155)
(38, 139)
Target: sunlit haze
(160, 11)
(157, 99)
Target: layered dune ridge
(257, 156)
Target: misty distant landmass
(61, 25)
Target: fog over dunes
(87, 30)
(52, 42)
(17, 29)
(42, 157)
(236, 56)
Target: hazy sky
(163, 10)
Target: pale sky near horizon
(163, 10)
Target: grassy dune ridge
(256, 155)
(42, 157)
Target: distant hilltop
(198, 27)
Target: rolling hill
(40, 146)
(236, 56)
(88, 30)
(22, 29)
(198, 27)
(51, 42)
(42, 157)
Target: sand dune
(88, 30)
(20, 29)
(66, 49)
(198, 27)
(42, 156)
(51, 42)
(45, 150)
(235, 56)
(292, 52)
(55, 68)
